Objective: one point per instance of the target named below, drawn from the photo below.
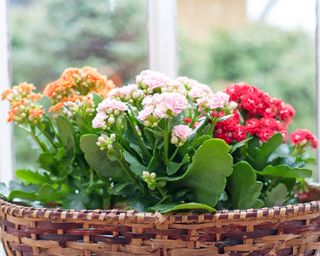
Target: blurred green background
(51, 35)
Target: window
(218, 42)
(49, 36)
(258, 42)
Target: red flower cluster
(257, 114)
(303, 137)
(265, 128)
(230, 130)
(255, 103)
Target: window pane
(266, 43)
(51, 35)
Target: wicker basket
(290, 230)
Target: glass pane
(51, 35)
(265, 43)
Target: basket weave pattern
(290, 230)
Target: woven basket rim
(147, 217)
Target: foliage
(276, 60)
(50, 35)
(160, 144)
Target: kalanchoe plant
(56, 119)
(159, 144)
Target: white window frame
(162, 42)
(162, 16)
(6, 146)
(317, 60)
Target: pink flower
(218, 100)
(126, 93)
(212, 101)
(304, 137)
(99, 120)
(145, 113)
(162, 105)
(199, 90)
(180, 134)
(174, 102)
(152, 79)
(112, 105)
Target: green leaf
(198, 141)
(66, 133)
(285, 171)
(135, 165)
(48, 162)
(239, 144)
(244, 187)
(266, 149)
(206, 176)
(276, 196)
(98, 159)
(48, 194)
(166, 208)
(30, 196)
(173, 167)
(96, 99)
(30, 177)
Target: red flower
(230, 130)
(252, 126)
(304, 137)
(187, 120)
(265, 134)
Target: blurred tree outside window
(220, 42)
(258, 42)
(51, 35)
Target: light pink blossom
(199, 90)
(145, 113)
(212, 101)
(180, 134)
(174, 102)
(152, 79)
(99, 120)
(111, 105)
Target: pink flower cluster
(160, 106)
(180, 134)
(108, 113)
(303, 137)
(151, 80)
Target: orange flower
(56, 107)
(36, 113)
(11, 115)
(23, 103)
(74, 83)
(5, 94)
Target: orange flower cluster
(74, 83)
(23, 101)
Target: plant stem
(163, 195)
(174, 153)
(126, 146)
(36, 138)
(127, 170)
(49, 139)
(166, 141)
(213, 124)
(138, 137)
